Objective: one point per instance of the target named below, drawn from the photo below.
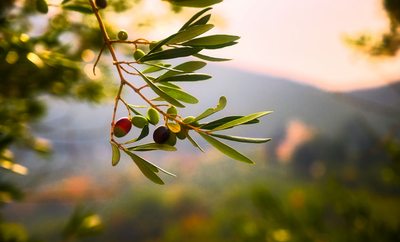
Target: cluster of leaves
(184, 43)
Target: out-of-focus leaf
(65, 1)
(193, 3)
(159, 92)
(179, 95)
(143, 134)
(241, 120)
(227, 150)
(218, 39)
(12, 232)
(155, 68)
(78, 8)
(194, 143)
(210, 58)
(193, 18)
(171, 54)
(42, 6)
(152, 146)
(204, 20)
(147, 170)
(242, 139)
(186, 67)
(116, 154)
(189, 77)
(190, 33)
(171, 85)
(219, 122)
(221, 104)
(174, 127)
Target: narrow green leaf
(204, 20)
(154, 68)
(143, 134)
(221, 121)
(194, 3)
(153, 167)
(159, 92)
(147, 170)
(221, 104)
(213, 47)
(227, 150)
(152, 146)
(132, 108)
(65, 1)
(194, 143)
(194, 17)
(189, 77)
(190, 33)
(171, 85)
(217, 39)
(116, 154)
(185, 67)
(240, 121)
(165, 67)
(210, 58)
(171, 54)
(78, 8)
(179, 95)
(160, 44)
(242, 139)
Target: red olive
(122, 127)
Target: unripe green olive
(153, 116)
(101, 3)
(172, 111)
(122, 34)
(41, 6)
(138, 54)
(171, 139)
(139, 121)
(122, 127)
(161, 134)
(181, 134)
(189, 119)
(153, 44)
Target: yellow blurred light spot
(35, 59)
(8, 155)
(24, 37)
(87, 55)
(88, 69)
(92, 221)
(6, 164)
(12, 57)
(42, 145)
(20, 169)
(281, 235)
(5, 197)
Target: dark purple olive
(101, 3)
(161, 134)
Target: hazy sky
(303, 40)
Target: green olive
(189, 120)
(153, 44)
(139, 121)
(122, 34)
(153, 116)
(138, 54)
(181, 134)
(42, 7)
(172, 111)
(171, 139)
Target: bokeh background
(328, 69)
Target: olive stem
(98, 58)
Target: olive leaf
(212, 40)
(242, 139)
(159, 92)
(193, 3)
(221, 105)
(202, 21)
(132, 108)
(185, 67)
(221, 121)
(171, 54)
(179, 95)
(147, 169)
(154, 68)
(194, 143)
(190, 33)
(174, 127)
(227, 150)
(171, 85)
(152, 146)
(116, 154)
(143, 134)
(189, 77)
(210, 58)
(42, 6)
(194, 17)
(78, 8)
(240, 121)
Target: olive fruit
(153, 44)
(171, 139)
(153, 116)
(122, 34)
(181, 134)
(161, 134)
(139, 121)
(172, 111)
(101, 3)
(122, 127)
(138, 54)
(41, 6)
(188, 120)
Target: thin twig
(98, 58)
